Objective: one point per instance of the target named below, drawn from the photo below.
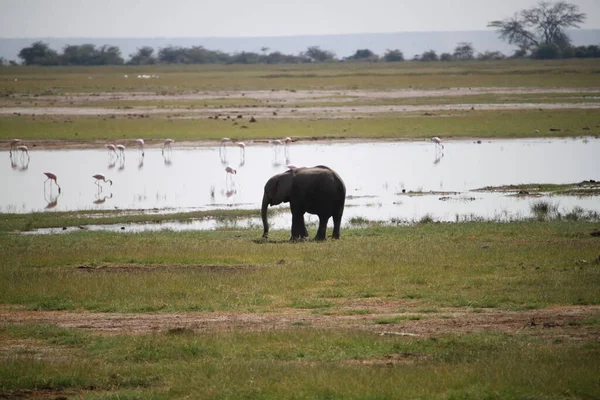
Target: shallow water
(375, 175)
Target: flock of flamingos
(118, 151)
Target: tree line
(539, 32)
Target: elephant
(316, 190)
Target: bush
(549, 51)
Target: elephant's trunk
(263, 213)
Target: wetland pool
(437, 182)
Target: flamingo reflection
(51, 199)
(167, 158)
(101, 199)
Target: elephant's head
(277, 191)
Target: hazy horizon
(256, 18)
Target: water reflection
(375, 175)
(100, 198)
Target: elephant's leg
(337, 221)
(302, 228)
(298, 227)
(321, 232)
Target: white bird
(121, 149)
(23, 150)
(437, 141)
(101, 177)
(140, 144)
(230, 170)
(51, 177)
(167, 143)
(242, 147)
(276, 142)
(14, 143)
(224, 141)
(111, 149)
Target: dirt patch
(572, 322)
(54, 394)
(584, 188)
(131, 269)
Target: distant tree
(39, 53)
(143, 56)
(591, 51)
(172, 55)
(430, 55)
(464, 51)
(315, 54)
(541, 25)
(490, 55)
(363, 55)
(110, 55)
(547, 51)
(446, 57)
(393, 56)
(245, 57)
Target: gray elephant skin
(317, 190)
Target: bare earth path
(568, 322)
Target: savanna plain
(465, 310)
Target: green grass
(416, 75)
(481, 124)
(39, 220)
(506, 266)
(299, 363)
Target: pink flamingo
(14, 143)
(51, 177)
(437, 141)
(23, 150)
(101, 177)
(140, 144)
(121, 149)
(224, 142)
(111, 149)
(168, 143)
(230, 170)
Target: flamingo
(224, 142)
(121, 149)
(51, 177)
(112, 149)
(23, 150)
(167, 143)
(230, 170)
(14, 143)
(437, 141)
(101, 177)
(242, 147)
(140, 143)
(276, 142)
(292, 167)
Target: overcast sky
(201, 18)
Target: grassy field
(391, 279)
(416, 75)
(465, 310)
(457, 124)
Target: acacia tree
(544, 24)
(464, 51)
